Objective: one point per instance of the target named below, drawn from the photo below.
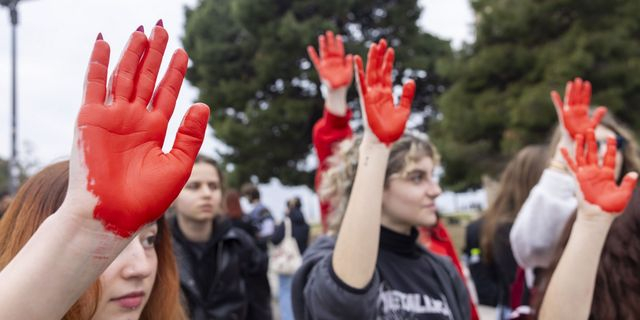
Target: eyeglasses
(417, 177)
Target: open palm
(384, 119)
(597, 183)
(119, 141)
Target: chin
(429, 219)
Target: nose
(135, 261)
(205, 190)
(433, 189)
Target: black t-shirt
(409, 287)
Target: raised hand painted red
(574, 111)
(333, 66)
(597, 182)
(120, 139)
(386, 121)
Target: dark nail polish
(159, 23)
(99, 37)
(141, 29)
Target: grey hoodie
(398, 289)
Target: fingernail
(99, 37)
(140, 28)
(159, 23)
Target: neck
(395, 226)
(195, 230)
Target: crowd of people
(123, 230)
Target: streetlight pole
(13, 162)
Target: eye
(417, 177)
(192, 186)
(149, 241)
(213, 186)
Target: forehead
(203, 171)
(423, 164)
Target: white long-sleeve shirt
(542, 218)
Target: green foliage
(250, 64)
(499, 100)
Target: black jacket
(300, 230)
(483, 274)
(213, 274)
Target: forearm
(570, 290)
(60, 261)
(356, 250)
(336, 100)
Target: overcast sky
(54, 42)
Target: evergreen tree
(499, 98)
(250, 64)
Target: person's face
(125, 286)
(409, 199)
(201, 196)
(602, 133)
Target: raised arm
(336, 72)
(551, 202)
(119, 180)
(570, 290)
(356, 249)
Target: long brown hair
(518, 178)
(41, 196)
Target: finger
(592, 148)
(191, 133)
(314, 57)
(576, 92)
(629, 182)
(371, 74)
(408, 92)
(387, 67)
(322, 46)
(151, 65)
(586, 93)
(169, 88)
(567, 93)
(125, 73)
(580, 150)
(95, 89)
(572, 165)
(598, 114)
(609, 160)
(330, 42)
(360, 74)
(557, 101)
(340, 46)
(382, 49)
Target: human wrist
(336, 100)
(371, 144)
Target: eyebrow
(417, 171)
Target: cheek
(183, 201)
(217, 199)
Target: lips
(206, 207)
(130, 301)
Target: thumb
(191, 132)
(629, 182)
(408, 91)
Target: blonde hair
(337, 180)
